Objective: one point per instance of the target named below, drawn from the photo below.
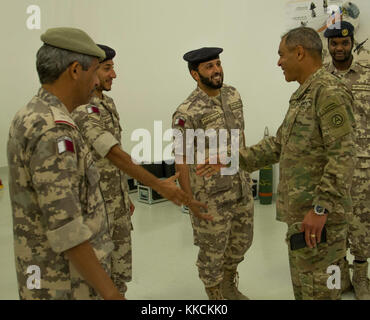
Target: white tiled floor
(164, 255)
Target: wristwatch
(320, 211)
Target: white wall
(150, 38)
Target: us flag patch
(65, 144)
(92, 109)
(180, 122)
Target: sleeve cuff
(69, 235)
(323, 203)
(104, 143)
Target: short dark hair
(193, 66)
(306, 37)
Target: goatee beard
(209, 83)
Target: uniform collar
(304, 86)
(51, 99)
(353, 67)
(206, 98)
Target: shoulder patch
(336, 123)
(92, 109)
(180, 121)
(65, 144)
(61, 117)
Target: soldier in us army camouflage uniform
(99, 123)
(59, 219)
(223, 241)
(315, 149)
(356, 76)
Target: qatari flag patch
(92, 109)
(180, 122)
(65, 144)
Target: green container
(265, 181)
(265, 185)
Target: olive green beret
(74, 40)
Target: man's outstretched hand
(169, 190)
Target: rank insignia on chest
(92, 109)
(180, 122)
(65, 144)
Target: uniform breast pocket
(92, 175)
(237, 109)
(300, 133)
(213, 120)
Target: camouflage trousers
(224, 241)
(121, 266)
(118, 264)
(359, 220)
(309, 268)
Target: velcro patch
(336, 123)
(65, 144)
(235, 105)
(92, 109)
(210, 118)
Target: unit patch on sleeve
(180, 122)
(92, 109)
(65, 144)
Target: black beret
(340, 29)
(109, 52)
(202, 55)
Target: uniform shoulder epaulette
(62, 118)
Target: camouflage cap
(74, 40)
(340, 29)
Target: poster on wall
(321, 14)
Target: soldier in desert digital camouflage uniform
(315, 149)
(59, 219)
(356, 76)
(223, 241)
(99, 123)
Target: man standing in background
(99, 123)
(356, 76)
(223, 241)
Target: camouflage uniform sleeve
(266, 152)
(180, 122)
(93, 130)
(336, 120)
(56, 181)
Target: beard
(209, 83)
(104, 87)
(347, 55)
